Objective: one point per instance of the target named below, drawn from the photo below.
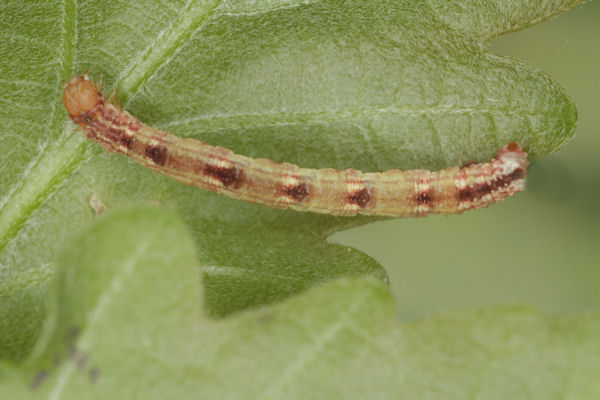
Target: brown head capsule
(80, 95)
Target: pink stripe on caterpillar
(348, 192)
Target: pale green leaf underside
(120, 327)
(370, 85)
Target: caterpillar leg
(112, 99)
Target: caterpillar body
(347, 192)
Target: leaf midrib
(31, 192)
(55, 163)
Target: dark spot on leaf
(94, 374)
(265, 317)
(57, 359)
(80, 361)
(38, 379)
(73, 333)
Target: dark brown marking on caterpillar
(226, 175)
(297, 192)
(423, 198)
(485, 188)
(360, 197)
(240, 179)
(464, 194)
(517, 174)
(126, 141)
(157, 153)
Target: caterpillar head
(80, 95)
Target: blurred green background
(541, 247)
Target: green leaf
(370, 85)
(126, 323)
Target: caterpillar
(347, 192)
